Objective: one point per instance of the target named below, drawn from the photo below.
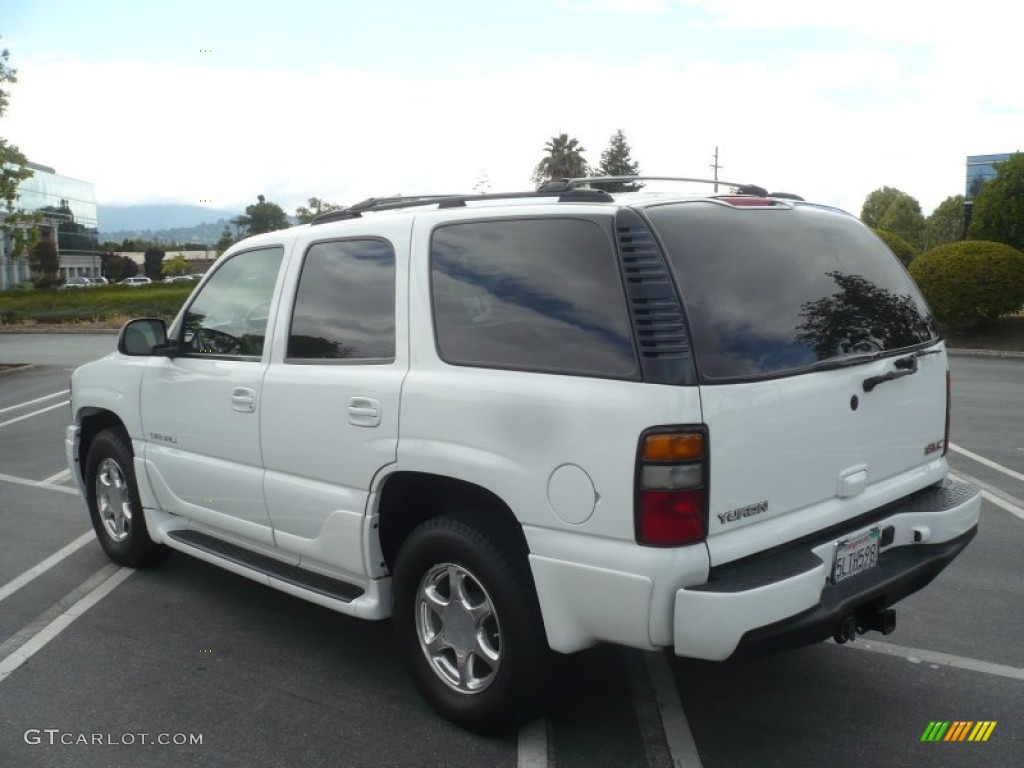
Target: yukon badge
(748, 511)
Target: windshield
(771, 291)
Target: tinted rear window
(531, 294)
(769, 291)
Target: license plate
(855, 554)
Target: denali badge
(748, 511)
(163, 438)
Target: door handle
(243, 399)
(364, 412)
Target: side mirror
(144, 337)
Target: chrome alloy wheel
(458, 628)
(113, 500)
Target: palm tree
(563, 159)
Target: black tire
(115, 510)
(508, 691)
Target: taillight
(671, 480)
(949, 399)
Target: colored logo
(958, 730)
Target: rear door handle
(243, 399)
(364, 412)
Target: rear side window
(772, 291)
(530, 294)
(345, 305)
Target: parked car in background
(76, 282)
(135, 281)
(98, 281)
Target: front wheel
(468, 626)
(114, 505)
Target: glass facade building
(980, 171)
(68, 210)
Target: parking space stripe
(37, 641)
(981, 460)
(39, 569)
(60, 477)
(673, 719)
(533, 745)
(36, 484)
(34, 413)
(33, 402)
(935, 657)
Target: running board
(268, 566)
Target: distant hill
(132, 218)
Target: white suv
(540, 421)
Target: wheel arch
(407, 499)
(92, 422)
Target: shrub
(904, 251)
(971, 282)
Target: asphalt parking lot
(99, 665)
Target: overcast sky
(219, 101)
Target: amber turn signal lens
(674, 447)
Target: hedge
(83, 305)
(971, 282)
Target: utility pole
(715, 167)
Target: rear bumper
(785, 599)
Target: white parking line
(35, 571)
(975, 457)
(34, 413)
(990, 493)
(677, 731)
(533, 745)
(33, 402)
(36, 484)
(60, 477)
(917, 655)
(39, 640)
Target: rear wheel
(469, 626)
(114, 505)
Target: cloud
(830, 126)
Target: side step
(292, 574)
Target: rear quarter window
(773, 291)
(531, 294)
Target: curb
(17, 368)
(40, 331)
(984, 353)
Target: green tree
(18, 225)
(617, 160)
(45, 264)
(153, 263)
(563, 159)
(177, 266)
(946, 224)
(226, 240)
(261, 217)
(904, 251)
(998, 212)
(316, 207)
(894, 211)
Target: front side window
(531, 294)
(345, 304)
(229, 316)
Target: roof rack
(557, 185)
(456, 201)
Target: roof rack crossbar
(451, 201)
(557, 184)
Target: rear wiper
(907, 366)
(846, 361)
